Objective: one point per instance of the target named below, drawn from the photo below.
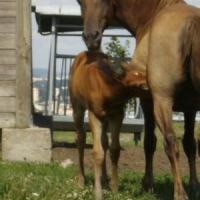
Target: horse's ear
(78, 2)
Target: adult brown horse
(167, 44)
(95, 86)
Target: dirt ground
(130, 158)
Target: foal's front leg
(78, 114)
(105, 144)
(98, 153)
(115, 125)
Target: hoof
(81, 181)
(194, 192)
(181, 196)
(147, 185)
(98, 194)
(113, 187)
(104, 181)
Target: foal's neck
(137, 15)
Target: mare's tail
(191, 50)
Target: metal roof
(68, 19)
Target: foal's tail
(191, 50)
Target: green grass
(126, 139)
(31, 181)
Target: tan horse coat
(167, 45)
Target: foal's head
(132, 78)
(96, 14)
(129, 77)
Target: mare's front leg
(189, 145)
(163, 115)
(96, 126)
(78, 114)
(115, 125)
(149, 143)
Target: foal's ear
(124, 65)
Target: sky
(72, 45)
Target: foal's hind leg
(115, 125)
(163, 115)
(149, 143)
(78, 114)
(189, 145)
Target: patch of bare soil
(130, 158)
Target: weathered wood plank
(7, 25)
(7, 9)
(7, 88)
(7, 41)
(23, 71)
(7, 120)
(7, 72)
(7, 57)
(7, 104)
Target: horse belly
(187, 101)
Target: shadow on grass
(69, 145)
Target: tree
(117, 52)
(114, 49)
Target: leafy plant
(118, 52)
(114, 49)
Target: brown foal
(96, 87)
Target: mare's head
(96, 15)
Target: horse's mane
(109, 71)
(150, 8)
(140, 12)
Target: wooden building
(15, 63)
(15, 78)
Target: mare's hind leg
(78, 114)
(189, 145)
(105, 144)
(149, 143)
(163, 115)
(115, 125)
(98, 153)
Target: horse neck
(137, 15)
